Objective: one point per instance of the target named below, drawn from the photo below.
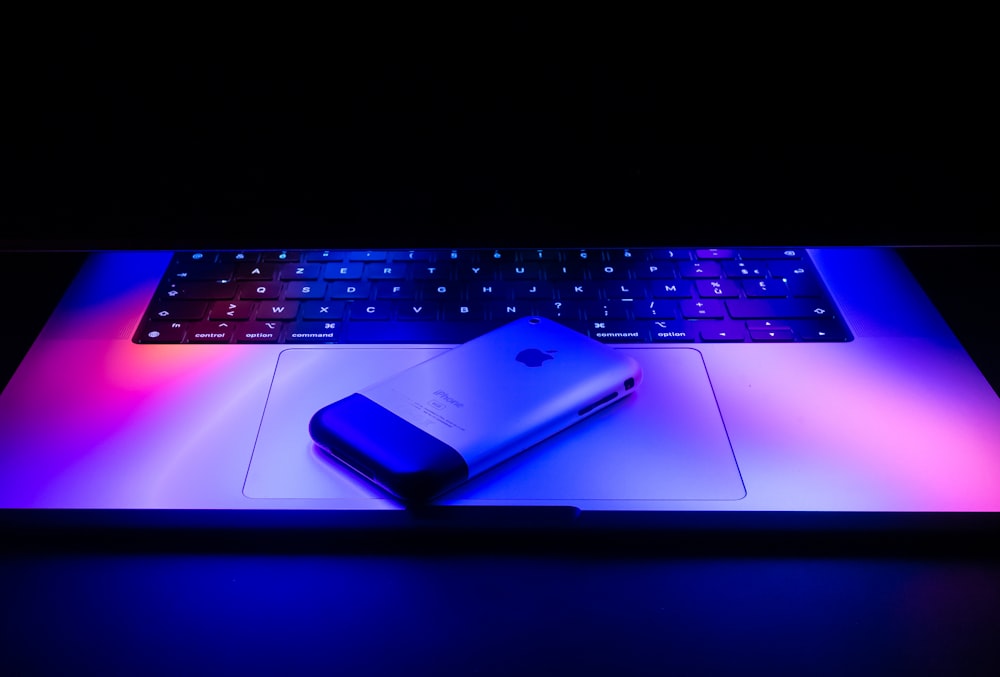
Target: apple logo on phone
(533, 357)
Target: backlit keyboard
(450, 296)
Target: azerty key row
(565, 290)
(450, 270)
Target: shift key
(759, 309)
(168, 311)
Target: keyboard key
(201, 269)
(281, 310)
(416, 311)
(390, 291)
(520, 271)
(322, 310)
(211, 332)
(343, 271)
(802, 285)
(703, 309)
(758, 253)
(743, 269)
(432, 271)
(313, 332)
(750, 309)
(807, 330)
(300, 271)
(672, 290)
(497, 255)
(196, 257)
(250, 270)
(539, 255)
(260, 290)
(610, 271)
(660, 270)
(160, 332)
(178, 310)
(699, 269)
(628, 257)
(533, 290)
(386, 271)
(671, 255)
(767, 288)
(200, 291)
(767, 325)
(787, 270)
(656, 309)
(570, 271)
(715, 254)
(282, 256)
(258, 332)
(368, 256)
(368, 310)
(772, 335)
(673, 331)
(564, 311)
(720, 289)
(464, 312)
(349, 290)
(576, 291)
(231, 310)
(607, 310)
(626, 289)
(481, 272)
(488, 291)
(722, 332)
(506, 312)
(619, 332)
(305, 290)
(443, 291)
(325, 256)
(412, 255)
(415, 332)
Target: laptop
(779, 381)
(781, 384)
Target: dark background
(161, 130)
(506, 128)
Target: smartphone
(433, 426)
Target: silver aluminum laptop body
(899, 419)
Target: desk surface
(495, 613)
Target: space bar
(413, 332)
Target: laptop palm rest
(665, 442)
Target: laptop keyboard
(450, 296)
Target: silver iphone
(437, 424)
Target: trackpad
(665, 442)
